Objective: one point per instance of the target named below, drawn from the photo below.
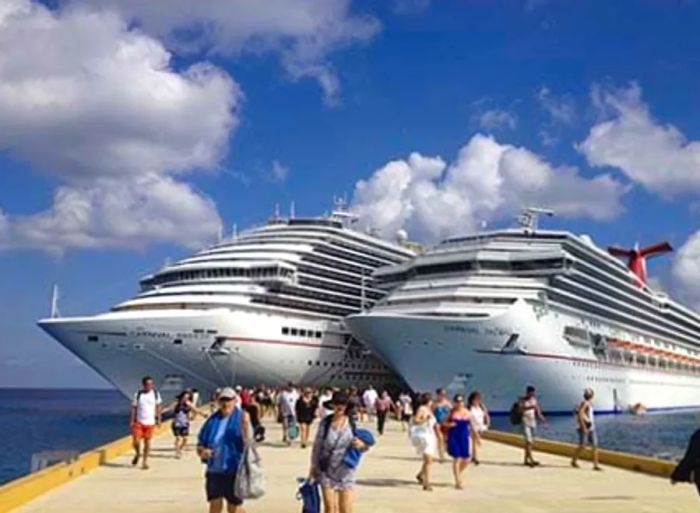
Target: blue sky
(595, 103)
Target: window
(302, 333)
(294, 332)
(285, 331)
(319, 334)
(92, 338)
(177, 341)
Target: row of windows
(548, 264)
(301, 332)
(347, 365)
(227, 272)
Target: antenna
(529, 217)
(54, 303)
(292, 210)
(277, 210)
(234, 232)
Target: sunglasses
(225, 399)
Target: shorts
(220, 486)
(180, 430)
(529, 433)
(591, 437)
(141, 431)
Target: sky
(134, 132)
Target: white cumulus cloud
(685, 271)
(655, 155)
(96, 104)
(304, 33)
(487, 181)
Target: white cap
(227, 393)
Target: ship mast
(529, 217)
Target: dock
(385, 484)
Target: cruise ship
(263, 307)
(500, 310)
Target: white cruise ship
(265, 307)
(497, 311)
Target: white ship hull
(207, 349)
(465, 354)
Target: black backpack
(516, 413)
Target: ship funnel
(636, 258)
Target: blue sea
(38, 420)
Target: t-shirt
(370, 397)
(322, 400)
(217, 463)
(145, 403)
(287, 402)
(529, 414)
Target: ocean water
(38, 420)
(78, 420)
(661, 435)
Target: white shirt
(287, 402)
(322, 400)
(145, 404)
(370, 397)
(478, 418)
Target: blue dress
(458, 439)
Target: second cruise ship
(265, 307)
(499, 310)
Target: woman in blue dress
(459, 437)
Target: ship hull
(501, 354)
(209, 349)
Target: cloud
(496, 119)
(97, 105)
(488, 181)
(278, 173)
(685, 271)
(657, 156)
(303, 33)
(111, 212)
(561, 109)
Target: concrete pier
(385, 484)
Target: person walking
(423, 437)
(335, 435)
(184, 410)
(306, 409)
(405, 408)
(323, 399)
(441, 410)
(220, 445)
(286, 403)
(382, 405)
(369, 398)
(146, 409)
(481, 420)
(531, 412)
(459, 438)
(585, 421)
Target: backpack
(516, 413)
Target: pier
(385, 483)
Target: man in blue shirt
(220, 446)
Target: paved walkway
(385, 484)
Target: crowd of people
(438, 426)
